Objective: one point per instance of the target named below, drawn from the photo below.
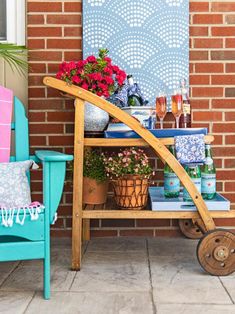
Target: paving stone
(14, 303)
(114, 271)
(5, 269)
(172, 247)
(95, 303)
(117, 245)
(229, 283)
(195, 309)
(179, 280)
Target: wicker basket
(131, 192)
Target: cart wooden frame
(81, 217)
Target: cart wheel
(189, 229)
(216, 252)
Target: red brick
(207, 116)
(198, 55)
(73, 31)
(199, 79)
(35, 19)
(60, 116)
(37, 140)
(45, 128)
(137, 233)
(61, 233)
(224, 128)
(223, 103)
(36, 80)
(107, 223)
(230, 67)
(72, 55)
(52, 92)
(44, 7)
(53, 67)
(230, 186)
(64, 19)
(64, 43)
(207, 91)
(45, 56)
(230, 19)
(72, 7)
(35, 43)
(223, 31)
(200, 103)
(230, 116)
(198, 31)
(229, 140)
(230, 43)
(62, 140)
(223, 55)
(225, 174)
(218, 139)
(230, 92)
(224, 151)
(199, 6)
(226, 222)
(222, 6)
(37, 116)
(35, 92)
(218, 162)
(153, 223)
(103, 233)
(207, 19)
(37, 67)
(168, 233)
(208, 43)
(46, 104)
(44, 31)
(223, 79)
(209, 67)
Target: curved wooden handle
(154, 142)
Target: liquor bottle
(194, 172)
(208, 176)
(171, 181)
(133, 98)
(185, 118)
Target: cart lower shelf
(111, 211)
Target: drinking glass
(161, 107)
(177, 106)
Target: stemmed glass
(177, 106)
(161, 107)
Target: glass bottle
(208, 176)
(185, 118)
(194, 172)
(171, 181)
(133, 97)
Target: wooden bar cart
(216, 247)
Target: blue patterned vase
(96, 119)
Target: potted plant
(97, 75)
(129, 172)
(95, 183)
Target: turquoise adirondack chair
(32, 240)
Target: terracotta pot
(94, 192)
(131, 192)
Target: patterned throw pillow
(14, 186)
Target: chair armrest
(50, 155)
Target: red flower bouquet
(98, 75)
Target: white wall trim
(16, 22)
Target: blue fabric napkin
(190, 149)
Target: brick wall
(55, 34)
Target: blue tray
(160, 203)
(160, 133)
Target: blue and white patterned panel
(147, 38)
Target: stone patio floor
(119, 275)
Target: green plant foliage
(14, 56)
(94, 165)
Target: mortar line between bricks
(226, 290)
(150, 279)
(29, 302)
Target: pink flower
(85, 85)
(91, 59)
(107, 59)
(76, 79)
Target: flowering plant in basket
(130, 161)
(96, 74)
